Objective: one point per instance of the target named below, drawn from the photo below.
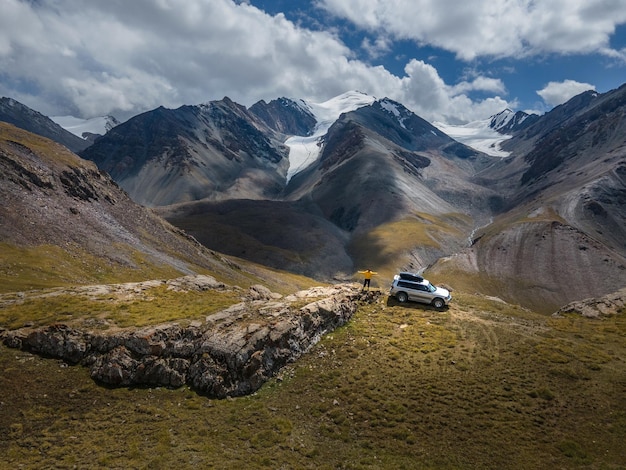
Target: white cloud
(556, 93)
(480, 83)
(426, 93)
(494, 28)
(374, 49)
(125, 57)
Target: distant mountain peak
(501, 119)
(507, 120)
(22, 116)
(329, 111)
(305, 150)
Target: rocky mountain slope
(561, 234)
(22, 116)
(285, 116)
(65, 221)
(215, 151)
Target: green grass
(47, 150)
(481, 385)
(148, 307)
(46, 266)
(387, 246)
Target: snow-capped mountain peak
(305, 150)
(497, 121)
(329, 111)
(486, 135)
(394, 108)
(508, 121)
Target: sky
(450, 61)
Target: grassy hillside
(482, 385)
(64, 223)
(412, 242)
(47, 266)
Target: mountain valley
(312, 235)
(186, 242)
(379, 167)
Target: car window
(412, 285)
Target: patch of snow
(501, 119)
(478, 135)
(78, 126)
(305, 150)
(393, 109)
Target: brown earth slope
(562, 233)
(62, 221)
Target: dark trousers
(366, 283)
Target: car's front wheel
(438, 303)
(402, 297)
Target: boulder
(610, 304)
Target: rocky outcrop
(231, 353)
(611, 304)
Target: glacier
(478, 135)
(305, 150)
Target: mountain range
(64, 222)
(327, 189)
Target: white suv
(410, 286)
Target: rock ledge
(232, 353)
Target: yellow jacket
(368, 273)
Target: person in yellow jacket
(368, 273)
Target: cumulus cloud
(381, 45)
(126, 57)
(556, 93)
(426, 93)
(123, 57)
(494, 28)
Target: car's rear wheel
(438, 303)
(402, 297)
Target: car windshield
(431, 287)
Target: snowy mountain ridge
(79, 127)
(500, 120)
(305, 150)
(484, 135)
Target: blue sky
(523, 76)
(447, 60)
